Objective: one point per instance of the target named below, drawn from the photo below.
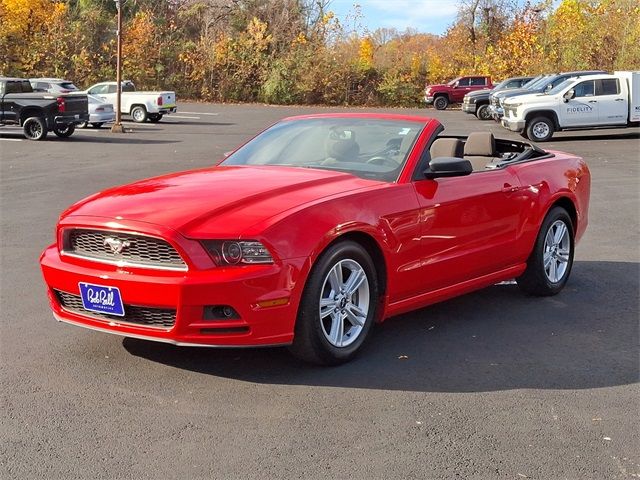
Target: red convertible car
(314, 230)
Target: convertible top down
(314, 230)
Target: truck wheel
(483, 112)
(139, 114)
(540, 129)
(441, 102)
(155, 117)
(34, 128)
(64, 132)
(97, 124)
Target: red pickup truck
(454, 91)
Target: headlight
(230, 252)
(513, 105)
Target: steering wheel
(378, 160)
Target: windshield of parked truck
(561, 86)
(452, 82)
(533, 81)
(541, 83)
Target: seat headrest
(446, 147)
(342, 147)
(480, 144)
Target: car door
(582, 109)
(9, 108)
(469, 225)
(612, 105)
(461, 89)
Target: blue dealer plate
(101, 299)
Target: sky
(426, 16)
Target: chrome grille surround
(137, 250)
(160, 318)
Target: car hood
(485, 92)
(532, 98)
(437, 85)
(217, 201)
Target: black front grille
(145, 316)
(117, 247)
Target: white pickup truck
(594, 101)
(142, 106)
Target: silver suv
(53, 85)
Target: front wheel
(139, 114)
(64, 132)
(540, 129)
(338, 306)
(34, 128)
(441, 103)
(550, 263)
(483, 112)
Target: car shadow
(491, 340)
(116, 139)
(576, 136)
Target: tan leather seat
(446, 147)
(480, 149)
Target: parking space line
(198, 113)
(183, 116)
(12, 139)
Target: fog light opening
(220, 312)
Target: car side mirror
(448, 167)
(569, 95)
(456, 84)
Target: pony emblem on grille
(116, 245)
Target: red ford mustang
(315, 229)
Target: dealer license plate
(101, 299)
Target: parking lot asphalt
(494, 384)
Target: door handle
(619, 99)
(593, 101)
(508, 188)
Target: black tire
(139, 114)
(483, 112)
(34, 128)
(536, 280)
(441, 102)
(155, 117)
(97, 124)
(311, 341)
(64, 132)
(540, 129)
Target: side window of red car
(478, 81)
(464, 82)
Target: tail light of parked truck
(61, 104)
(159, 101)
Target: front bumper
(265, 297)
(469, 108)
(428, 99)
(496, 112)
(513, 125)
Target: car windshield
(69, 86)
(94, 99)
(533, 81)
(539, 83)
(454, 81)
(561, 86)
(365, 147)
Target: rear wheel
(441, 102)
(34, 128)
(338, 306)
(155, 117)
(64, 132)
(139, 114)
(97, 124)
(540, 129)
(550, 263)
(483, 112)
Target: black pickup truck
(39, 113)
